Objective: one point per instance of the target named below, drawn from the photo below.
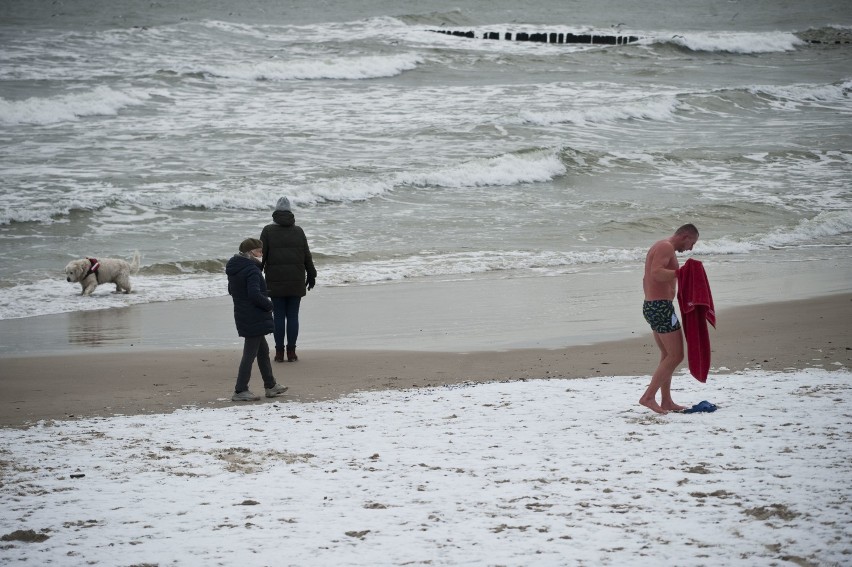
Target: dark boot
(279, 354)
(291, 354)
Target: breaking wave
(101, 101)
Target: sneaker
(275, 390)
(244, 396)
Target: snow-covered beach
(536, 472)
(473, 354)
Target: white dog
(90, 272)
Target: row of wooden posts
(551, 37)
(590, 39)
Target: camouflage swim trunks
(660, 314)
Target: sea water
(410, 155)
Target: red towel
(696, 309)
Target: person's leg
(648, 398)
(279, 317)
(671, 355)
(250, 347)
(264, 364)
(292, 313)
(673, 343)
(293, 303)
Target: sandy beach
(484, 421)
(800, 334)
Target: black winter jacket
(287, 258)
(252, 308)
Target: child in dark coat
(253, 317)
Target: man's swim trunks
(661, 316)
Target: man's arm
(661, 257)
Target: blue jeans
(285, 312)
(254, 348)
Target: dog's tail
(134, 265)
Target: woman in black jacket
(253, 317)
(290, 272)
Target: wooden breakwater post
(548, 37)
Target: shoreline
(487, 312)
(778, 336)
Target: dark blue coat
(252, 307)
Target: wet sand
(87, 383)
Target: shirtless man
(660, 280)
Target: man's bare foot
(673, 407)
(653, 406)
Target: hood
(239, 263)
(284, 218)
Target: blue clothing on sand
(703, 406)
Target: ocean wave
(507, 169)
(19, 207)
(40, 203)
(733, 42)
(758, 97)
(101, 101)
(341, 68)
(462, 264)
(215, 266)
(448, 18)
(833, 93)
(340, 190)
(825, 225)
(531, 166)
(659, 108)
(46, 208)
(252, 197)
(354, 30)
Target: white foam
(824, 225)
(507, 169)
(21, 206)
(344, 68)
(55, 295)
(809, 93)
(101, 101)
(661, 108)
(255, 196)
(369, 28)
(735, 42)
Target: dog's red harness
(93, 269)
